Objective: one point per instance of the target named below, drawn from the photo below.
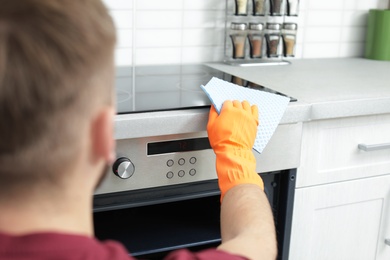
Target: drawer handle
(387, 242)
(373, 147)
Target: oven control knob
(123, 168)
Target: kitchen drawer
(330, 150)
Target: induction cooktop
(169, 87)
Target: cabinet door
(346, 220)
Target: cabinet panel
(334, 226)
(330, 150)
(346, 220)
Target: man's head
(56, 76)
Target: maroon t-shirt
(45, 246)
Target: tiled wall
(334, 28)
(192, 31)
(168, 32)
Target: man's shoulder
(44, 246)
(59, 246)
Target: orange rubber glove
(232, 135)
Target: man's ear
(102, 135)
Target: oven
(161, 194)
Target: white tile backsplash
(204, 5)
(354, 49)
(317, 17)
(320, 50)
(159, 5)
(123, 56)
(202, 54)
(192, 31)
(124, 38)
(326, 5)
(159, 19)
(299, 49)
(354, 18)
(353, 34)
(203, 37)
(335, 28)
(300, 37)
(158, 38)
(203, 19)
(118, 4)
(123, 19)
(322, 34)
(157, 56)
(371, 4)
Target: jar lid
(256, 26)
(290, 26)
(273, 26)
(238, 26)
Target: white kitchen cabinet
(345, 220)
(342, 196)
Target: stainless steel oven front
(162, 192)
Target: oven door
(152, 222)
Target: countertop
(325, 89)
(328, 88)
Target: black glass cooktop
(161, 88)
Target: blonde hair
(53, 54)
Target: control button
(181, 173)
(182, 161)
(169, 175)
(170, 163)
(192, 172)
(123, 168)
(192, 160)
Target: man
(56, 130)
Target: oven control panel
(160, 161)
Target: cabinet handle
(373, 147)
(387, 241)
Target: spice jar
(289, 39)
(255, 37)
(238, 37)
(292, 7)
(258, 7)
(276, 7)
(238, 81)
(272, 37)
(241, 7)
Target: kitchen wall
(154, 32)
(334, 28)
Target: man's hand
(232, 135)
(236, 126)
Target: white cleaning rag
(271, 106)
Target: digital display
(184, 145)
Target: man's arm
(247, 225)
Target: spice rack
(260, 32)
